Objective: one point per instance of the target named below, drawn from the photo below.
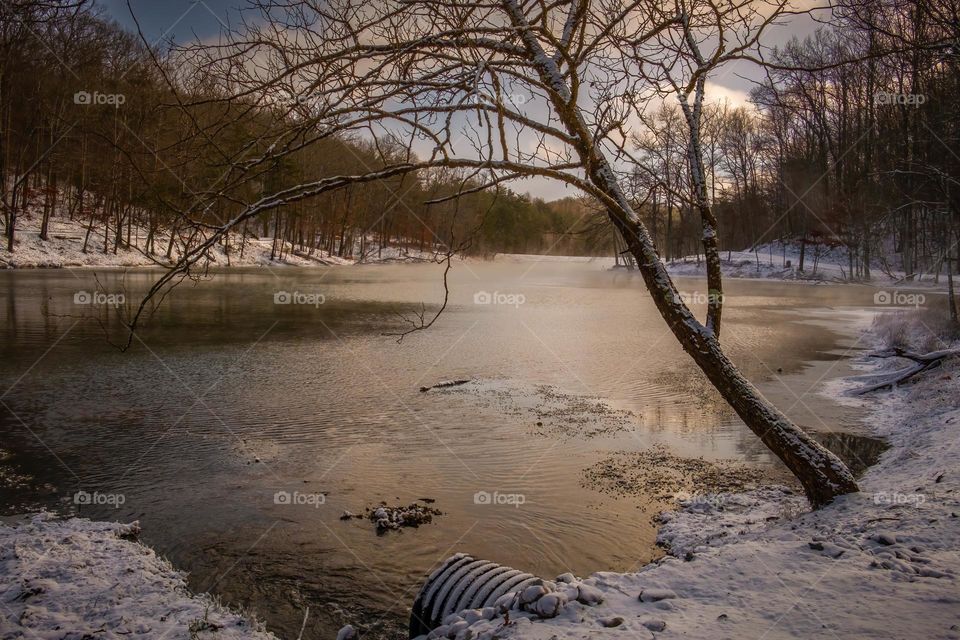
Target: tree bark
(951, 296)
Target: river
(231, 397)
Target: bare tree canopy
(500, 91)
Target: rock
(588, 595)
(392, 518)
(456, 628)
(346, 515)
(452, 619)
(566, 578)
(439, 632)
(655, 595)
(885, 537)
(655, 625)
(827, 549)
(549, 605)
(611, 622)
(488, 613)
(504, 603)
(532, 594)
(473, 615)
(347, 633)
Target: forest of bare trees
(91, 131)
(850, 142)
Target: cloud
(718, 93)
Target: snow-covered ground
(64, 248)
(882, 563)
(73, 579)
(781, 261)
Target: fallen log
(442, 385)
(921, 362)
(307, 256)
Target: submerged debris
(442, 385)
(567, 415)
(548, 411)
(412, 515)
(666, 476)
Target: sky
(190, 20)
(181, 20)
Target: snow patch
(81, 579)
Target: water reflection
(858, 452)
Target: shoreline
(759, 563)
(773, 262)
(752, 540)
(87, 578)
(676, 269)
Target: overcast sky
(187, 20)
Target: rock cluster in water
(388, 518)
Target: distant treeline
(90, 130)
(852, 140)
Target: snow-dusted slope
(81, 579)
(781, 261)
(64, 248)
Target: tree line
(92, 131)
(851, 141)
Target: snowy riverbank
(781, 261)
(64, 248)
(67, 239)
(81, 579)
(882, 563)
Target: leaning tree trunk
(821, 473)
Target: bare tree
(502, 90)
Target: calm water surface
(230, 398)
